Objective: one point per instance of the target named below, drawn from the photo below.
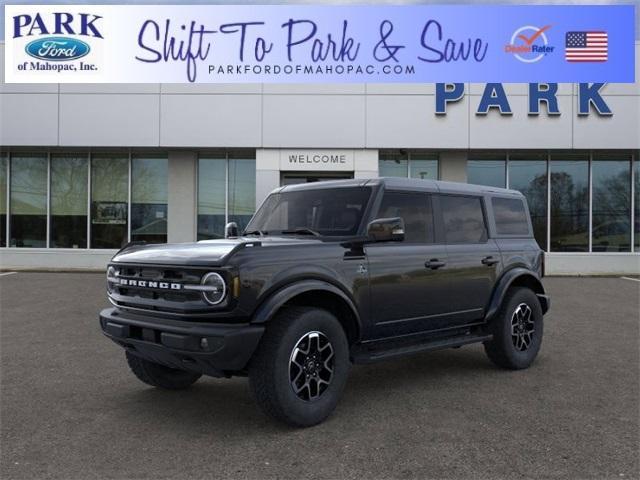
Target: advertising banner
(326, 44)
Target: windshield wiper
(255, 232)
(302, 231)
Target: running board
(363, 355)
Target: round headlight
(215, 288)
(111, 273)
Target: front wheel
(300, 368)
(517, 330)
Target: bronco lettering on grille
(148, 284)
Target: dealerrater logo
(529, 44)
(56, 38)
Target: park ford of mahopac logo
(54, 38)
(57, 49)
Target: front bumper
(180, 344)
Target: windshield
(326, 212)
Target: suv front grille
(161, 289)
(166, 274)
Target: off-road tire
(160, 376)
(502, 350)
(270, 368)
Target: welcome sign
(327, 44)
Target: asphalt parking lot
(70, 409)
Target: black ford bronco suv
(328, 274)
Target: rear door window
(510, 216)
(463, 219)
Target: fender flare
(277, 299)
(506, 280)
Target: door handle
(489, 261)
(434, 264)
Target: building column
(365, 164)
(267, 173)
(182, 196)
(453, 166)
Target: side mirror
(231, 230)
(386, 230)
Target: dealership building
(85, 168)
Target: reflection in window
(242, 190)
(463, 219)
(68, 201)
(211, 197)
(109, 196)
(423, 167)
(486, 170)
(611, 187)
(149, 195)
(510, 216)
(28, 201)
(416, 212)
(393, 164)
(528, 174)
(3, 200)
(569, 204)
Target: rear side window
(510, 215)
(463, 219)
(415, 209)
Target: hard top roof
(402, 184)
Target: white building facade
(87, 168)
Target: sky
(312, 2)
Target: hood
(206, 252)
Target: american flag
(586, 47)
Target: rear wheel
(160, 376)
(300, 367)
(517, 330)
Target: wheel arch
(516, 277)
(313, 293)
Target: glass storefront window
(149, 196)
(528, 174)
(569, 203)
(423, 166)
(212, 174)
(227, 183)
(393, 164)
(486, 170)
(400, 163)
(28, 212)
(242, 190)
(109, 197)
(220, 202)
(68, 207)
(4, 161)
(610, 210)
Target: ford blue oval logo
(57, 49)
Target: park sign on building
(494, 97)
(319, 44)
